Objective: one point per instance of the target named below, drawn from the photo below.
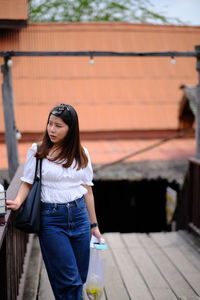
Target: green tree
(137, 11)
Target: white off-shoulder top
(59, 184)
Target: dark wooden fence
(13, 248)
(193, 195)
(188, 212)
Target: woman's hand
(23, 191)
(95, 231)
(13, 204)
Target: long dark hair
(70, 148)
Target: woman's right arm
(27, 179)
(21, 196)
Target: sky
(186, 10)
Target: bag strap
(36, 169)
(38, 161)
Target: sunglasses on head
(60, 109)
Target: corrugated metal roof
(13, 10)
(114, 93)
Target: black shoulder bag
(28, 217)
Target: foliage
(137, 11)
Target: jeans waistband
(67, 204)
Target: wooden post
(197, 48)
(10, 129)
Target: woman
(67, 205)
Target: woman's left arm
(89, 200)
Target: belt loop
(77, 204)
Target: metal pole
(10, 129)
(197, 48)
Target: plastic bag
(96, 272)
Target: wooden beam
(197, 48)
(13, 24)
(10, 129)
(91, 54)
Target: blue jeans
(65, 244)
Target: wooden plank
(45, 291)
(10, 194)
(189, 272)
(25, 267)
(183, 245)
(135, 285)
(173, 277)
(152, 276)
(189, 298)
(191, 239)
(9, 272)
(15, 183)
(33, 274)
(114, 285)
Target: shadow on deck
(159, 266)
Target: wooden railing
(193, 195)
(13, 248)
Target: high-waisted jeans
(65, 240)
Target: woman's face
(57, 129)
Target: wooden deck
(159, 266)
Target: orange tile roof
(13, 10)
(103, 152)
(114, 93)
